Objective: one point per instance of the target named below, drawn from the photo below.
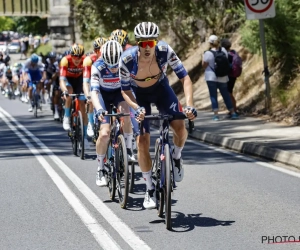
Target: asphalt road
(49, 199)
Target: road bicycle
(76, 133)
(163, 165)
(36, 99)
(116, 160)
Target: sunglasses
(75, 56)
(150, 43)
(112, 67)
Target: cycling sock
(148, 178)
(67, 112)
(100, 159)
(56, 107)
(91, 118)
(176, 152)
(128, 140)
(85, 131)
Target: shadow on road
(184, 223)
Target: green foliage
(184, 19)
(43, 49)
(282, 37)
(6, 23)
(31, 24)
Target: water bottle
(109, 151)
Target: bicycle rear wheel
(80, 134)
(122, 176)
(35, 101)
(168, 187)
(74, 134)
(111, 172)
(131, 177)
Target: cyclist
(71, 81)
(106, 90)
(52, 73)
(34, 72)
(121, 36)
(17, 76)
(8, 80)
(143, 68)
(2, 70)
(87, 64)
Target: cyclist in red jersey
(87, 64)
(71, 81)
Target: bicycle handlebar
(168, 117)
(116, 115)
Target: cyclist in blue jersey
(34, 72)
(143, 68)
(106, 90)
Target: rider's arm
(125, 79)
(180, 71)
(95, 87)
(87, 64)
(63, 74)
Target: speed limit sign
(260, 9)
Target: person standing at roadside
(216, 65)
(235, 69)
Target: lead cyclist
(143, 68)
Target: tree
(6, 23)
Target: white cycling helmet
(111, 52)
(146, 30)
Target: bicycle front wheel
(168, 185)
(156, 171)
(122, 176)
(80, 134)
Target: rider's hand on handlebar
(140, 114)
(100, 114)
(190, 112)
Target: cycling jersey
(103, 79)
(164, 55)
(2, 69)
(34, 71)
(87, 65)
(69, 69)
(51, 68)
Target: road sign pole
(266, 69)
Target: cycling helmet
(146, 30)
(67, 52)
(111, 53)
(52, 55)
(34, 58)
(120, 36)
(99, 41)
(18, 65)
(77, 50)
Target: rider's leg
(127, 128)
(85, 122)
(101, 148)
(68, 102)
(90, 129)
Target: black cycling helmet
(52, 55)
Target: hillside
(249, 88)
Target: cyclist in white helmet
(106, 90)
(143, 68)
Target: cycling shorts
(162, 95)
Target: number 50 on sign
(260, 9)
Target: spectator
(23, 49)
(236, 69)
(215, 82)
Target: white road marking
(124, 231)
(99, 233)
